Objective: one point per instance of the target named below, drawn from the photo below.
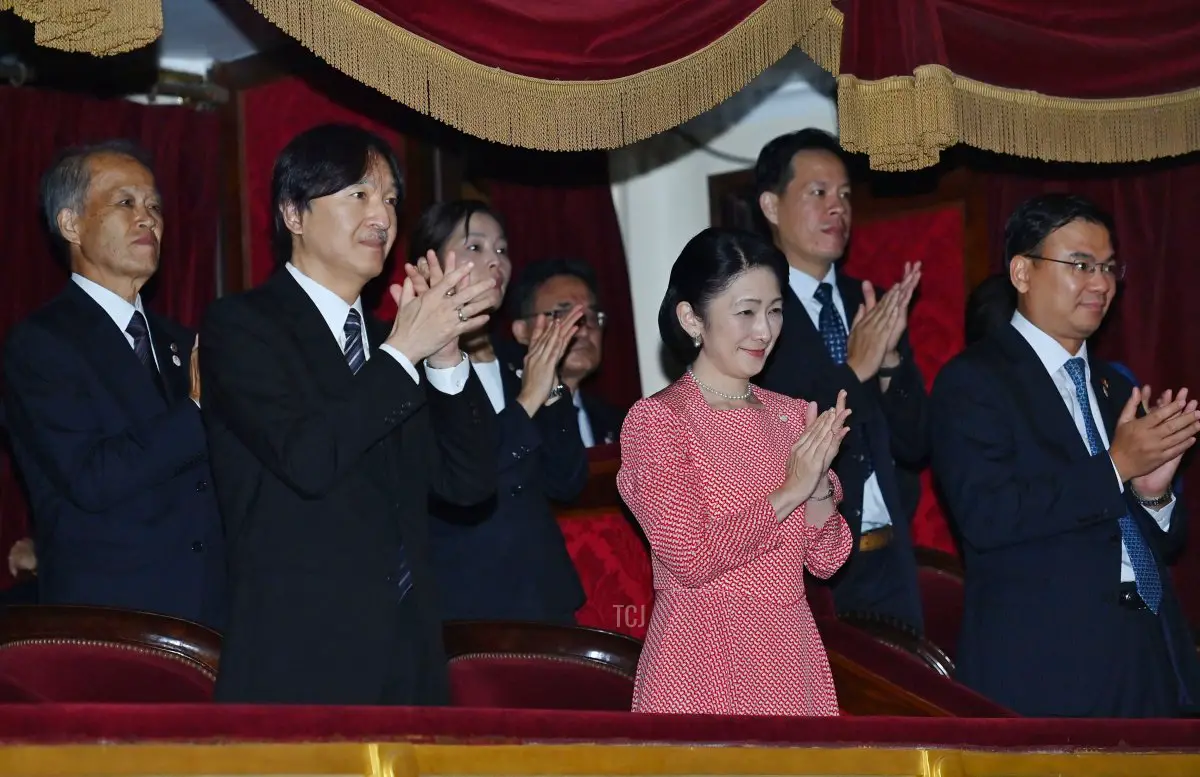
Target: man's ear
(769, 203)
(1019, 268)
(68, 225)
(291, 218)
(520, 331)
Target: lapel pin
(174, 348)
(1104, 386)
(783, 418)
(175, 361)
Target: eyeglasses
(1114, 270)
(596, 319)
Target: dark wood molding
(182, 639)
(863, 692)
(234, 238)
(583, 645)
(249, 72)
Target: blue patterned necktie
(833, 331)
(1145, 570)
(355, 358)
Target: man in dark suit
(327, 441)
(102, 408)
(838, 336)
(509, 560)
(1059, 483)
(551, 288)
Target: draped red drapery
(184, 144)
(1065, 48)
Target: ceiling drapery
(927, 74)
(544, 74)
(100, 27)
(916, 76)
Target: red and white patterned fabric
(731, 631)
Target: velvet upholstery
(539, 666)
(99, 654)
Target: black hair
(989, 306)
(438, 222)
(708, 264)
(525, 288)
(65, 183)
(319, 162)
(774, 171)
(1038, 217)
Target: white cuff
(1120, 484)
(449, 380)
(404, 362)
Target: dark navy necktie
(356, 357)
(139, 330)
(1145, 569)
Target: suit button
(855, 512)
(202, 485)
(517, 455)
(516, 490)
(197, 547)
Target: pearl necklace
(732, 397)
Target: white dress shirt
(1054, 358)
(118, 309)
(875, 514)
(493, 382)
(448, 380)
(585, 424)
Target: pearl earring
(696, 340)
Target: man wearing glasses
(551, 288)
(1058, 473)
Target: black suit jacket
(117, 471)
(509, 560)
(1038, 516)
(889, 428)
(605, 419)
(323, 476)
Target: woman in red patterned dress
(732, 486)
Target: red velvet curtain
(37, 124)
(1149, 327)
(574, 41)
(560, 205)
(1065, 48)
(878, 253)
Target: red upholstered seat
(98, 654)
(539, 666)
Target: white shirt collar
(1052, 355)
(117, 308)
(332, 307)
(805, 285)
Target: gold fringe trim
(905, 122)
(545, 114)
(100, 27)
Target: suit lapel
(1038, 396)
(312, 335)
(1108, 413)
(799, 332)
(174, 359)
(852, 297)
(105, 347)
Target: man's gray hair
(66, 183)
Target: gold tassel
(100, 27)
(905, 122)
(547, 114)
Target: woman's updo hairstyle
(438, 222)
(707, 266)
